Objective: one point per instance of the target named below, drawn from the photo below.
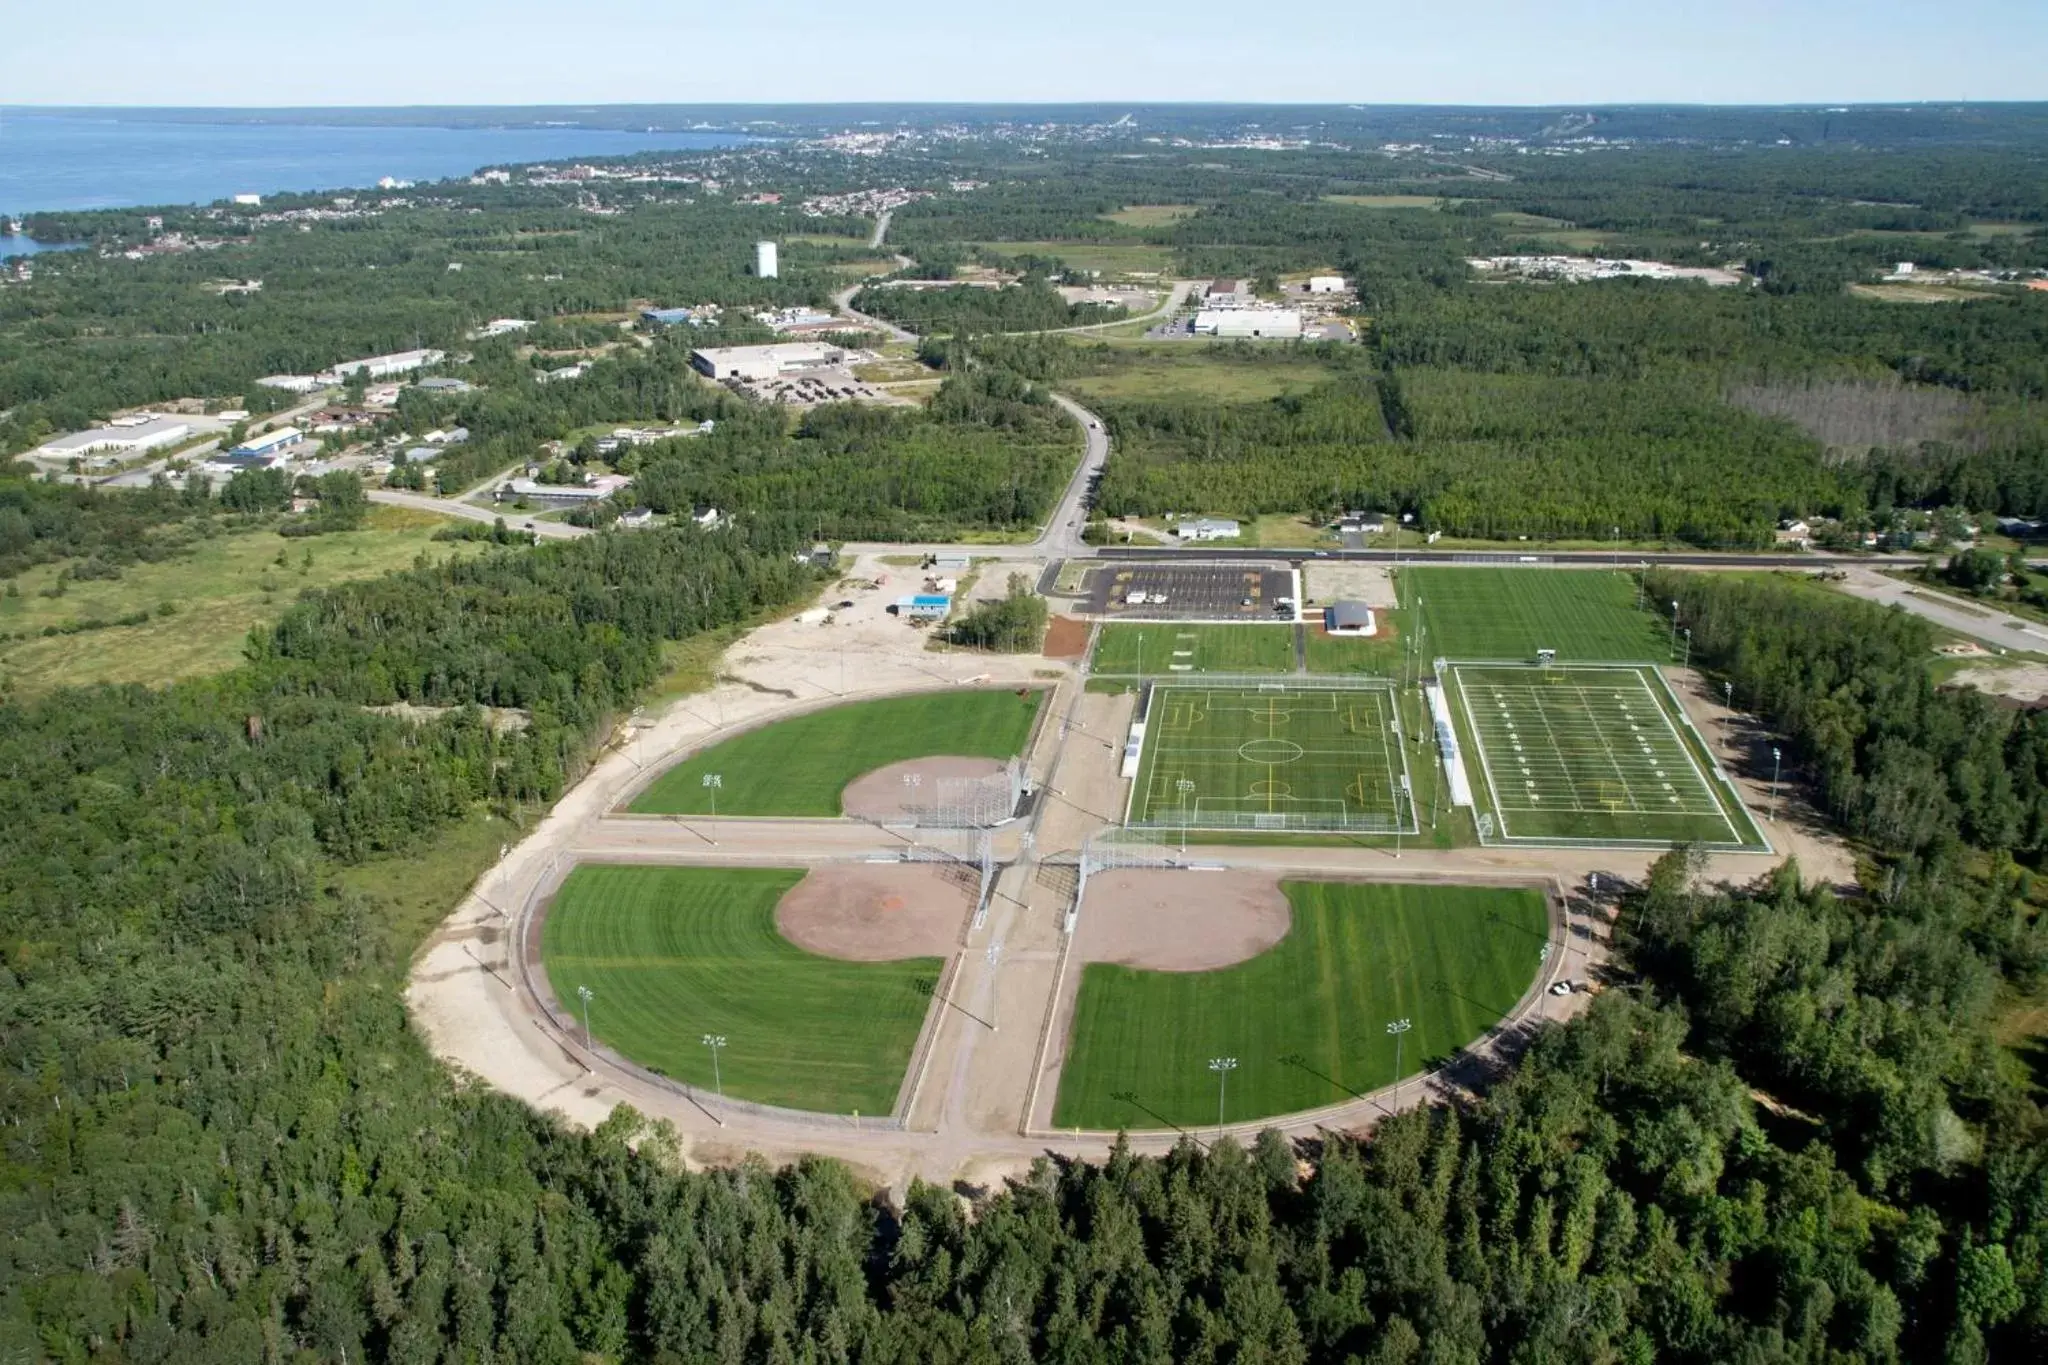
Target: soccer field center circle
(1269, 751)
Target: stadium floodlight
(1728, 693)
(584, 993)
(716, 1041)
(1185, 786)
(1222, 1066)
(1674, 626)
(1399, 1029)
(712, 782)
(1687, 632)
(1775, 756)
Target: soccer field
(1590, 754)
(1163, 647)
(799, 766)
(1271, 756)
(1586, 615)
(1307, 1019)
(673, 953)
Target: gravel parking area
(1192, 592)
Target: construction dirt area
(876, 913)
(976, 1096)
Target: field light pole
(712, 782)
(1399, 1029)
(1674, 626)
(1185, 786)
(1775, 756)
(715, 1041)
(584, 993)
(1688, 648)
(1222, 1066)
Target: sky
(405, 52)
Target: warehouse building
(924, 606)
(122, 436)
(384, 366)
(269, 445)
(761, 363)
(1327, 284)
(1210, 528)
(1246, 323)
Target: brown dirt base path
(874, 912)
(1180, 920)
(884, 795)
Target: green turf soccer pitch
(799, 766)
(1273, 756)
(1591, 754)
(1306, 1019)
(1586, 615)
(673, 953)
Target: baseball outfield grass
(799, 766)
(671, 954)
(1306, 1020)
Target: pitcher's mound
(885, 794)
(876, 912)
(1180, 921)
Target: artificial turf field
(1586, 615)
(674, 953)
(1589, 753)
(1159, 648)
(1307, 1019)
(1272, 757)
(799, 766)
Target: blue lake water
(120, 160)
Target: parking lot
(1188, 592)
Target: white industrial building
(1327, 284)
(384, 366)
(764, 260)
(270, 443)
(498, 327)
(1248, 322)
(291, 383)
(122, 436)
(1210, 528)
(760, 363)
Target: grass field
(1386, 201)
(218, 591)
(1486, 613)
(1153, 215)
(1589, 754)
(1111, 258)
(1168, 648)
(673, 953)
(799, 766)
(1175, 369)
(1306, 1020)
(1384, 655)
(1303, 758)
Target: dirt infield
(1180, 921)
(874, 912)
(1066, 638)
(884, 794)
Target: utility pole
(715, 1041)
(1399, 1029)
(1775, 757)
(712, 782)
(584, 993)
(1688, 648)
(995, 995)
(1222, 1066)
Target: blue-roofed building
(670, 317)
(924, 606)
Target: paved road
(1992, 627)
(881, 229)
(449, 507)
(140, 477)
(843, 302)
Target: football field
(1590, 754)
(1272, 756)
